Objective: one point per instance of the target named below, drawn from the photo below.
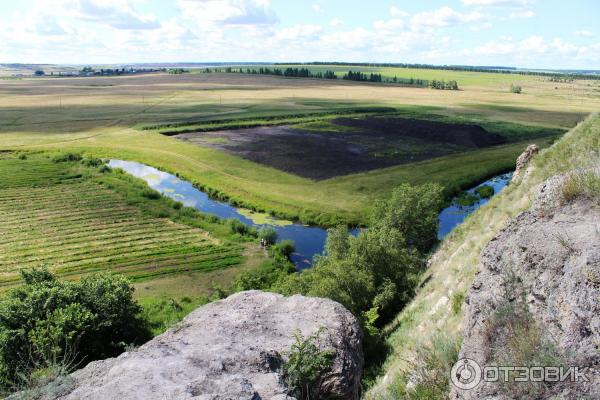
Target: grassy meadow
(105, 116)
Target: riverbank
(431, 323)
(309, 241)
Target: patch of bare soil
(377, 142)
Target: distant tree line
(443, 85)
(328, 74)
(89, 71)
(178, 71)
(362, 77)
(491, 69)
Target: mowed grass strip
(62, 216)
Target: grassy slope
(455, 263)
(97, 115)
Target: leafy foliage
(268, 234)
(46, 320)
(306, 364)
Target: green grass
(77, 220)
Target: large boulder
(229, 349)
(536, 299)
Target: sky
(521, 33)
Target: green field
(77, 220)
(105, 116)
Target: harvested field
(347, 145)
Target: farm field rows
(73, 219)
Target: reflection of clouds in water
(151, 175)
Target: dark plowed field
(437, 132)
(372, 143)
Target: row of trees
(362, 77)
(591, 75)
(328, 74)
(443, 85)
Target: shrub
(151, 194)
(66, 157)
(485, 191)
(47, 321)
(285, 248)
(305, 365)
(516, 89)
(457, 301)
(238, 227)
(22, 156)
(268, 234)
(429, 370)
(92, 162)
(581, 185)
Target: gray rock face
(524, 160)
(230, 349)
(545, 263)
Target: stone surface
(523, 161)
(552, 253)
(230, 349)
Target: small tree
(306, 364)
(515, 89)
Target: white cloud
(522, 14)
(299, 32)
(118, 14)
(396, 12)
(445, 16)
(317, 8)
(584, 33)
(335, 22)
(229, 12)
(498, 3)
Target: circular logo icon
(465, 374)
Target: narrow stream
(309, 240)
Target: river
(309, 240)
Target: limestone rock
(548, 258)
(523, 161)
(230, 349)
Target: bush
(305, 365)
(92, 162)
(285, 248)
(66, 157)
(485, 191)
(151, 194)
(268, 234)
(429, 370)
(516, 89)
(238, 227)
(581, 185)
(46, 321)
(22, 156)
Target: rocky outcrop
(523, 161)
(230, 349)
(536, 299)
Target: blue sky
(524, 33)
